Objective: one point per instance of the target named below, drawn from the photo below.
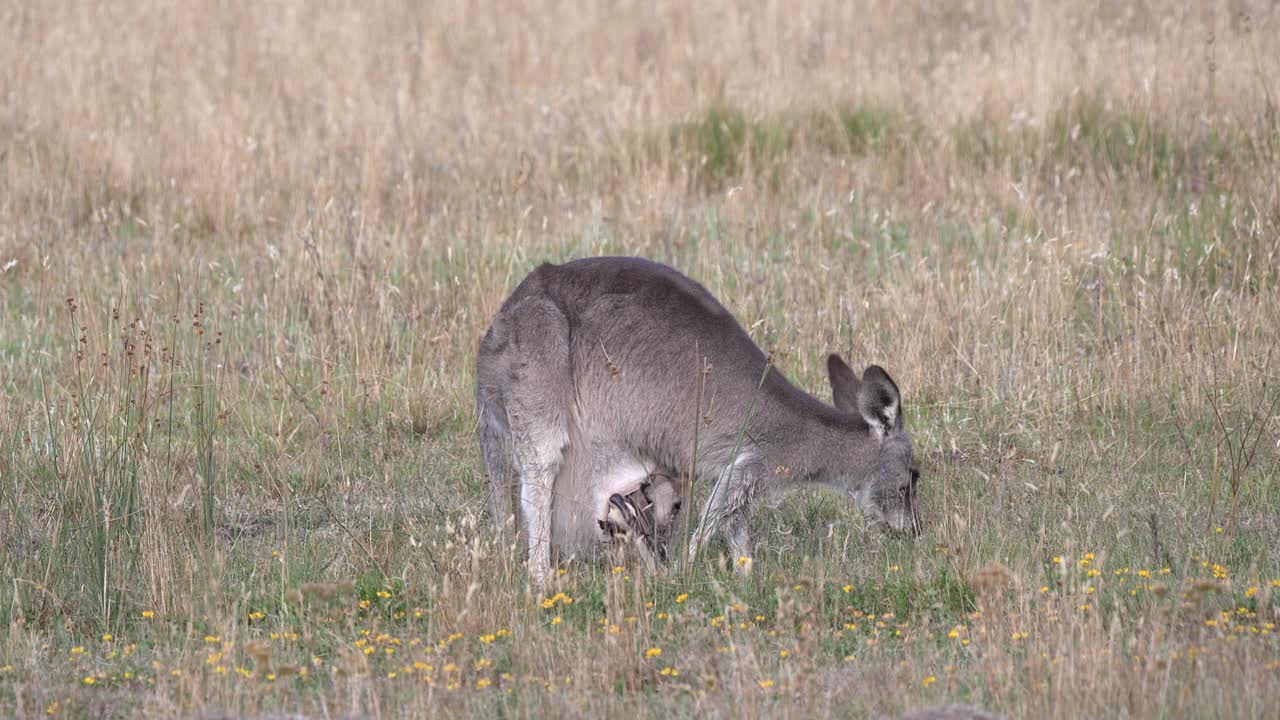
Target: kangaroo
(644, 519)
(582, 392)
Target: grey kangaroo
(585, 387)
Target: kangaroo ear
(879, 402)
(844, 384)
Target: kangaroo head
(884, 486)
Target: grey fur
(585, 378)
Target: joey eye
(915, 476)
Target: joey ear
(844, 384)
(879, 402)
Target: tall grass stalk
(204, 427)
(100, 494)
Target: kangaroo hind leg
(538, 395)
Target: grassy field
(249, 250)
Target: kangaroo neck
(800, 437)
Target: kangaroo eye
(915, 476)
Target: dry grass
(249, 249)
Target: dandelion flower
(685, 596)
(653, 652)
(765, 684)
(148, 614)
(929, 680)
(90, 680)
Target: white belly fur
(582, 501)
(624, 479)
